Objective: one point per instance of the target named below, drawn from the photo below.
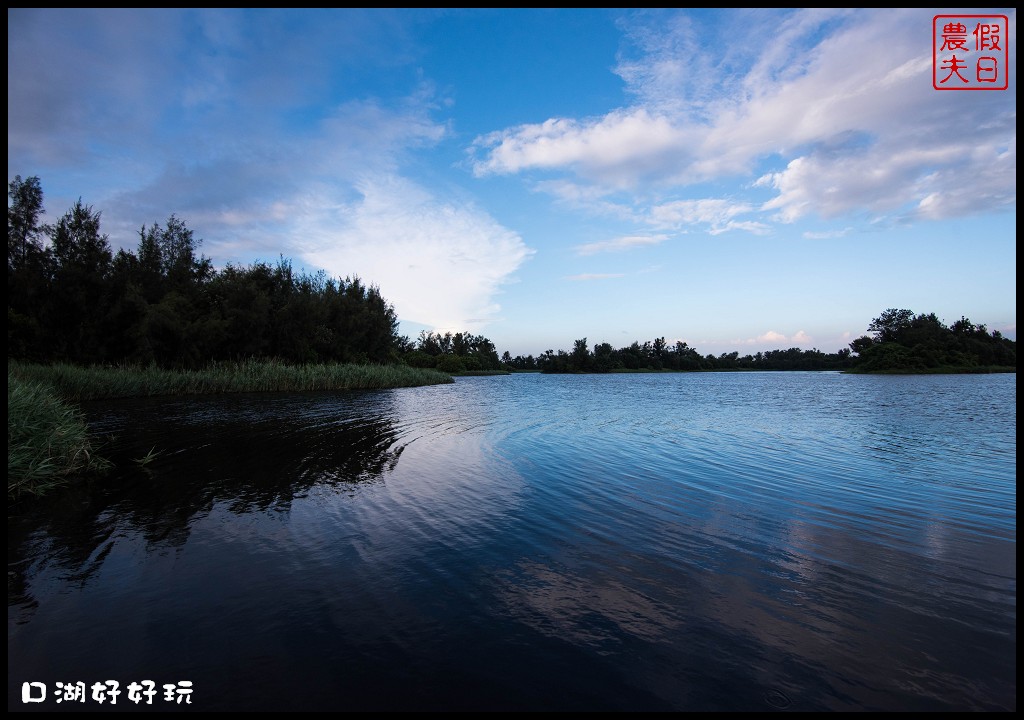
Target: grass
(47, 440)
(99, 383)
(149, 457)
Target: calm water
(747, 541)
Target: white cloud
(594, 276)
(714, 214)
(948, 180)
(711, 211)
(570, 192)
(133, 88)
(992, 183)
(256, 197)
(366, 138)
(776, 340)
(667, 71)
(750, 226)
(592, 199)
(616, 150)
(439, 263)
(827, 234)
(623, 243)
(840, 101)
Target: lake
(709, 541)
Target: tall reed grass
(47, 440)
(97, 383)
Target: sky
(739, 180)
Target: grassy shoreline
(48, 442)
(957, 370)
(102, 383)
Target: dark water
(741, 541)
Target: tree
(890, 324)
(579, 361)
(428, 343)
(862, 343)
(27, 269)
(178, 251)
(148, 271)
(603, 357)
(963, 327)
(166, 304)
(77, 242)
(23, 212)
(905, 342)
(82, 262)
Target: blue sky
(737, 179)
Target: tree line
(659, 355)
(72, 299)
(452, 353)
(900, 342)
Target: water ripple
(733, 541)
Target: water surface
(714, 541)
